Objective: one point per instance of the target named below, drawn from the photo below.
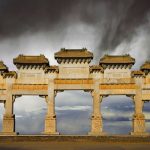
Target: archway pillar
(96, 119)
(138, 117)
(8, 126)
(50, 119)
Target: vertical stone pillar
(138, 117)
(8, 126)
(50, 120)
(96, 120)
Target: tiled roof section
(22, 59)
(117, 59)
(96, 68)
(3, 67)
(74, 53)
(52, 69)
(10, 74)
(137, 73)
(146, 66)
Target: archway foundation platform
(76, 138)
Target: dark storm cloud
(117, 19)
(122, 18)
(19, 16)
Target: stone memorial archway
(112, 76)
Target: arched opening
(117, 113)
(73, 110)
(30, 114)
(2, 110)
(146, 111)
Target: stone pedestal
(96, 126)
(139, 125)
(50, 125)
(8, 127)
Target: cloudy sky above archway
(103, 26)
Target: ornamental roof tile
(10, 74)
(137, 72)
(117, 59)
(74, 53)
(3, 66)
(23, 59)
(146, 66)
(52, 68)
(96, 67)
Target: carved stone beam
(58, 91)
(4, 104)
(15, 96)
(55, 93)
(42, 96)
(102, 96)
(132, 97)
(92, 92)
(105, 96)
(46, 98)
(88, 91)
(146, 101)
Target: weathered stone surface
(50, 125)
(8, 125)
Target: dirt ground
(72, 146)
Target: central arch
(117, 112)
(29, 114)
(73, 110)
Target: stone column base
(8, 127)
(8, 133)
(138, 125)
(96, 126)
(139, 133)
(97, 134)
(50, 125)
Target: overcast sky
(36, 27)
